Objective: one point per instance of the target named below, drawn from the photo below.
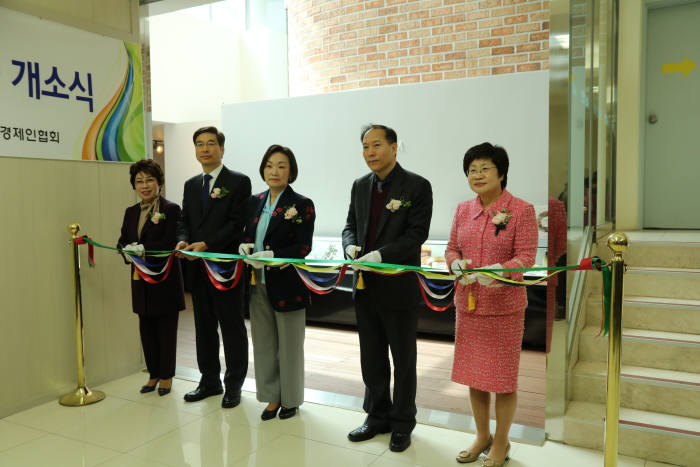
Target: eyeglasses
(481, 171)
(209, 144)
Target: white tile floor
(130, 429)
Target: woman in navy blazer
(150, 225)
(280, 224)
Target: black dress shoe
(365, 432)
(163, 391)
(202, 392)
(399, 441)
(231, 399)
(287, 412)
(269, 414)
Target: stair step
(645, 348)
(648, 435)
(651, 389)
(663, 282)
(681, 283)
(663, 254)
(651, 313)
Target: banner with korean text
(67, 93)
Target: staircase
(660, 386)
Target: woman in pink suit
(495, 230)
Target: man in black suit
(213, 215)
(388, 221)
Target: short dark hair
(389, 133)
(148, 166)
(496, 154)
(293, 167)
(209, 129)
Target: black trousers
(383, 329)
(159, 342)
(215, 309)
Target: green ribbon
(596, 262)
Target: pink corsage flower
(501, 219)
(291, 214)
(395, 204)
(219, 192)
(157, 216)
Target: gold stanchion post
(617, 242)
(81, 395)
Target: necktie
(205, 191)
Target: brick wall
(337, 45)
(146, 75)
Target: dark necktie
(205, 191)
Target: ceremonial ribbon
(145, 272)
(306, 278)
(424, 274)
(216, 283)
(91, 249)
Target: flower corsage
(291, 214)
(501, 219)
(157, 216)
(395, 204)
(218, 193)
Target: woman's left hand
(260, 254)
(488, 281)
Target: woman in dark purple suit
(280, 224)
(150, 225)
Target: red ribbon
(91, 249)
(430, 305)
(149, 279)
(236, 277)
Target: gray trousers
(278, 350)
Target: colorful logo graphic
(117, 133)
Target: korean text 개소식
(53, 86)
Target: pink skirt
(487, 351)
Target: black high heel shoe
(287, 412)
(163, 391)
(146, 388)
(269, 414)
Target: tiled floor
(129, 429)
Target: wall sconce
(158, 146)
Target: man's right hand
(181, 246)
(351, 251)
(244, 248)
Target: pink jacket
(473, 236)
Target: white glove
(485, 280)
(371, 257)
(259, 254)
(467, 279)
(460, 264)
(135, 249)
(244, 248)
(352, 250)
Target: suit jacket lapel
(217, 184)
(394, 193)
(133, 222)
(148, 224)
(260, 205)
(195, 199)
(364, 210)
(284, 202)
